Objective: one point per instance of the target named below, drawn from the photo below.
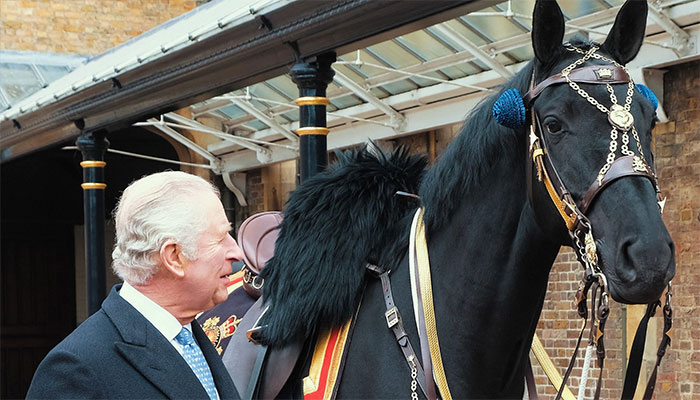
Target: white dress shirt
(164, 322)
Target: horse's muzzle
(642, 269)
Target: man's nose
(235, 253)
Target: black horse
(492, 241)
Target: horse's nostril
(628, 272)
(645, 260)
(671, 266)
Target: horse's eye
(553, 126)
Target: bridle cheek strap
(568, 209)
(547, 174)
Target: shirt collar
(165, 322)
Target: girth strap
(418, 307)
(395, 323)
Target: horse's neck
(491, 264)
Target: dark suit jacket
(117, 353)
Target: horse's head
(585, 130)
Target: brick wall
(81, 26)
(677, 153)
(677, 145)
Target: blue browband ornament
(509, 109)
(646, 92)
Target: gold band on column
(312, 101)
(93, 164)
(312, 130)
(93, 185)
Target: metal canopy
(428, 78)
(214, 49)
(423, 79)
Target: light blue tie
(194, 357)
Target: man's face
(207, 276)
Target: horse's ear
(626, 35)
(547, 30)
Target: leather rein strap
(395, 323)
(421, 286)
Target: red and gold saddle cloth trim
(326, 364)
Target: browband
(599, 74)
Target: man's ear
(172, 259)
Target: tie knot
(184, 337)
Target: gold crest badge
(217, 332)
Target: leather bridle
(573, 212)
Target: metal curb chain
(414, 383)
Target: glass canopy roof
(371, 86)
(23, 73)
(444, 53)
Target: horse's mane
(334, 223)
(460, 168)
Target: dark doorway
(41, 203)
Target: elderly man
(174, 252)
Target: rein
(573, 213)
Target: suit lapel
(149, 352)
(222, 379)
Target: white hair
(151, 211)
